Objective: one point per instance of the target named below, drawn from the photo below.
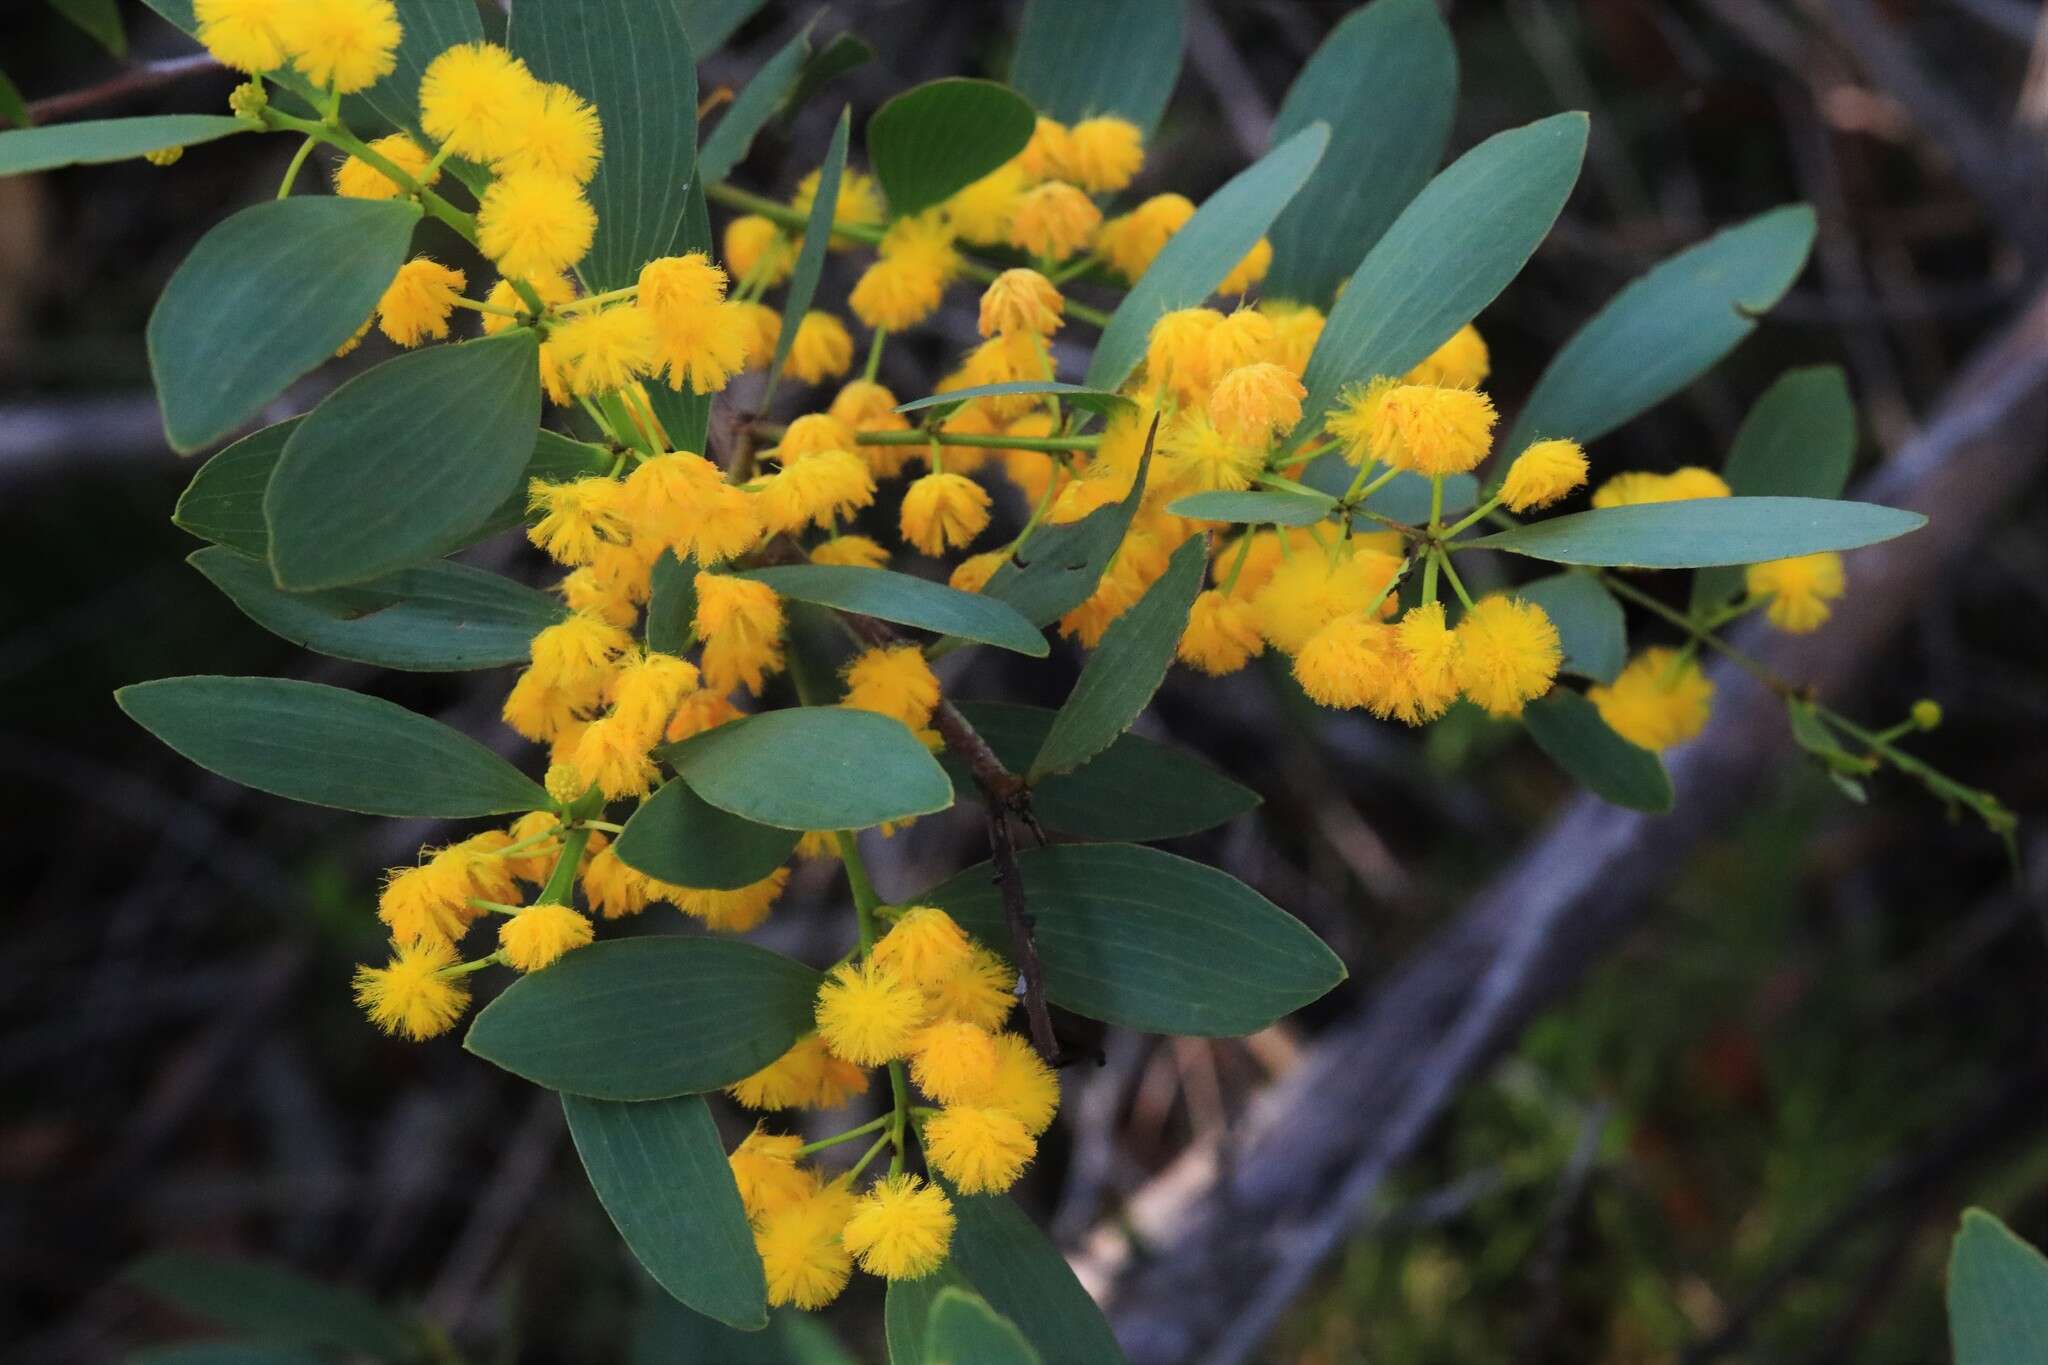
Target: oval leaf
(268, 1302)
(1702, 531)
(1568, 727)
(220, 343)
(403, 463)
(439, 617)
(1074, 395)
(1125, 670)
(1452, 250)
(1023, 1276)
(906, 1312)
(329, 747)
(1206, 249)
(890, 596)
(680, 838)
(1134, 791)
(672, 604)
(810, 256)
(94, 141)
(962, 1329)
(660, 1172)
(648, 1018)
(1797, 441)
(813, 767)
(1997, 1295)
(1258, 506)
(1666, 329)
(729, 142)
(1386, 81)
(1058, 567)
(632, 60)
(224, 501)
(1140, 938)
(1075, 58)
(942, 136)
(1589, 622)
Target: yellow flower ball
(1257, 401)
(944, 511)
(1460, 363)
(900, 1229)
(1053, 221)
(355, 178)
(1221, 636)
(894, 681)
(533, 224)
(542, 935)
(1103, 154)
(1438, 431)
(1657, 701)
(952, 1061)
(1508, 654)
(981, 1150)
(344, 45)
(1021, 300)
(805, 1263)
(1799, 589)
(868, 1015)
(1542, 474)
(822, 349)
(416, 306)
(247, 35)
(409, 996)
(554, 131)
(473, 98)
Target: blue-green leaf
(1386, 81)
(1666, 329)
(329, 747)
(269, 1302)
(710, 22)
(403, 463)
(1075, 58)
(890, 596)
(1452, 250)
(1058, 567)
(813, 767)
(1259, 506)
(672, 605)
(1702, 531)
(1074, 395)
(1125, 670)
(1206, 249)
(436, 618)
(1568, 727)
(1589, 622)
(660, 1171)
(963, 1330)
(632, 60)
(94, 141)
(943, 136)
(810, 257)
(678, 837)
(430, 27)
(906, 1312)
(220, 344)
(1021, 1273)
(1997, 1295)
(751, 109)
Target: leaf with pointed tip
(95, 141)
(1256, 506)
(220, 346)
(813, 767)
(672, 604)
(1703, 531)
(1568, 727)
(730, 140)
(1058, 567)
(329, 747)
(1997, 1295)
(1206, 249)
(1005, 1257)
(810, 256)
(890, 596)
(678, 837)
(963, 1330)
(403, 463)
(906, 1312)
(1078, 58)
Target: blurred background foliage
(1744, 1136)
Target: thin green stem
(1429, 572)
(872, 1125)
(1055, 444)
(465, 968)
(864, 898)
(874, 365)
(1360, 489)
(1479, 513)
(1622, 588)
(1451, 574)
(899, 1114)
(1094, 317)
(495, 907)
(562, 881)
(1237, 563)
(476, 307)
(598, 300)
(870, 1154)
(291, 172)
(1436, 505)
(607, 826)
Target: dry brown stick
(1231, 1247)
(136, 80)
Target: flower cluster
(929, 1001)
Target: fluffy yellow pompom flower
(1307, 592)
(756, 249)
(344, 45)
(788, 1081)
(973, 573)
(1257, 401)
(943, 511)
(614, 889)
(1657, 701)
(430, 903)
(1103, 154)
(863, 405)
(1296, 329)
(981, 992)
(981, 212)
(822, 349)
(408, 996)
(765, 1168)
(927, 946)
(1799, 588)
(1640, 486)
(759, 327)
(1250, 270)
(1221, 636)
(869, 1015)
(1542, 474)
(1437, 430)
(1054, 221)
(602, 350)
(731, 912)
(1351, 662)
(981, 1150)
(896, 292)
(1194, 454)
(859, 201)
(952, 1061)
(1177, 352)
(815, 489)
(474, 97)
(1508, 653)
(1045, 155)
(900, 1229)
(1022, 1084)
(682, 500)
(1429, 664)
(554, 132)
(416, 306)
(534, 224)
(1021, 300)
(356, 178)
(805, 1263)
(708, 348)
(610, 754)
(850, 552)
(244, 34)
(894, 681)
(1460, 363)
(740, 622)
(1131, 241)
(1359, 421)
(577, 518)
(647, 692)
(541, 935)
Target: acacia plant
(1281, 444)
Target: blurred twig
(139, 79)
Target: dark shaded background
(1758, 1117)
